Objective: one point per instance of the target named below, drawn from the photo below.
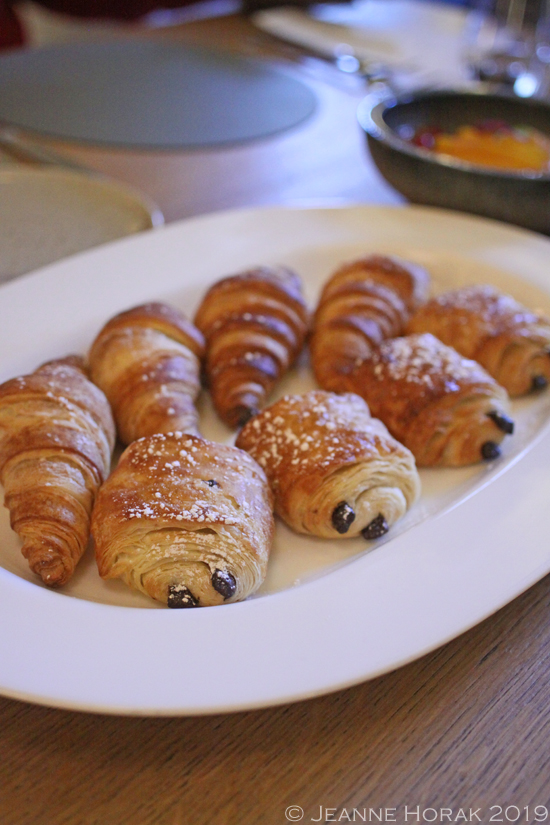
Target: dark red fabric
(11, 33)
(114, 9)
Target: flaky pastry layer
(255, 324)
(335, 471)
(147, 360)
(445, 408)
(56, 439)
(364, 302)
(509, 340)
(186, 521)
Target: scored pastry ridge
(56, 439)
(187, 521)
(364, 302)
(334, 469)
(255, 324)
(147, 361)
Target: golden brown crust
(434, 400)
(77, 361)
(324, 455)
(184, 520)
(363, 303)
(255, 324)
(56, 439)
(147, 361)
(409, 281)
(510, 341)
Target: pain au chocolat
(445, 408)
(334, 470)
(184, 520)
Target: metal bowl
(519, 197)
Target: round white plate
(331, 613)
(50, 213)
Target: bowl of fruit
(475, 151)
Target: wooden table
(463, 728)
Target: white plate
(331, 613)
(49, 213)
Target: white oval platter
(331, 614)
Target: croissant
(364, 302)
(56, 439)
(147, 362)
(255, 325)
(334, 470)
(445, 408)
(510, 341)
(184, 520)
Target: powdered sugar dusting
(423, 360)
(311, 432)
(495, 309)
(180, 488)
